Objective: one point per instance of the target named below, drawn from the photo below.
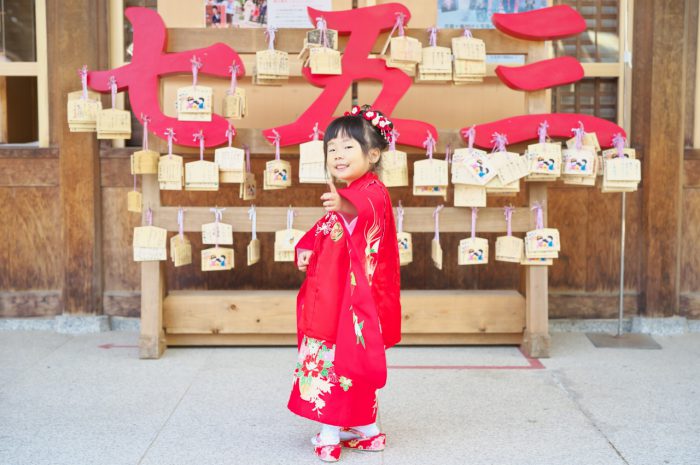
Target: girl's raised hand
(303, 259)
(331, 200)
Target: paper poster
(473, 14)
(292, 13)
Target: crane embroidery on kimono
(358, 329)
(372, 237)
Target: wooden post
(657, 131)
(153, 284)
(79, 168)
(536, 335)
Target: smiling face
(345, 159)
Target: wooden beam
(658, 131)
(270, 312)
(79, 157)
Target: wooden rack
(266, 317)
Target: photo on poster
(216, 14)
(476, 14)
(236, 13)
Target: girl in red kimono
(348, 310)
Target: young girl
(348, 310)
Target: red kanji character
(364, 26)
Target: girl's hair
(358, 128)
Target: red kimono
(348, 309)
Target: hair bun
(376, 118)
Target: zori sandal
(364, 442)
(328, 453)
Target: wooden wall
(45, 271)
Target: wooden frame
(267, 317)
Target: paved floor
(88, 399)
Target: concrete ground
(88, 399)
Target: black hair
(358, 128)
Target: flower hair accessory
(379, 121)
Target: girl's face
(345, 159)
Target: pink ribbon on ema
(246, 147)
(170, 134)
(233, 69)
(542, 131)
(470, 134)
(392, 142)
(199, 136)
(83, 73)
(400, 18)
(145, 119)
(433, 36)
(499, 142)
(429, 145)
(537, 207)
(508, 213)
(270, 33)
(436, 216)
(578, 134)
(113, 90)
(475, 214)
(181, 221)
(619, 143)
(276, 141)
(196, 64)
(316, 133)
(230, 134)
(322, 27)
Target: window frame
(38, 69)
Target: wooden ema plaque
(271, 67)
(473, 251)
(277, 174)
(145, 162)
(194, 103)
(180, 250)
(405, 243)
(113, 124)
(406, 50)
(542, 243)
(312, 162)
(201, 175)
(285, 240)
(510, 249)
(472, 167)
(235, 105)
(248, 188)
(82, 113)
(393, 168)
(171, 173)
(149, 243)
(231, 163)
(217, 259)
(253, 252)
(324, 60)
